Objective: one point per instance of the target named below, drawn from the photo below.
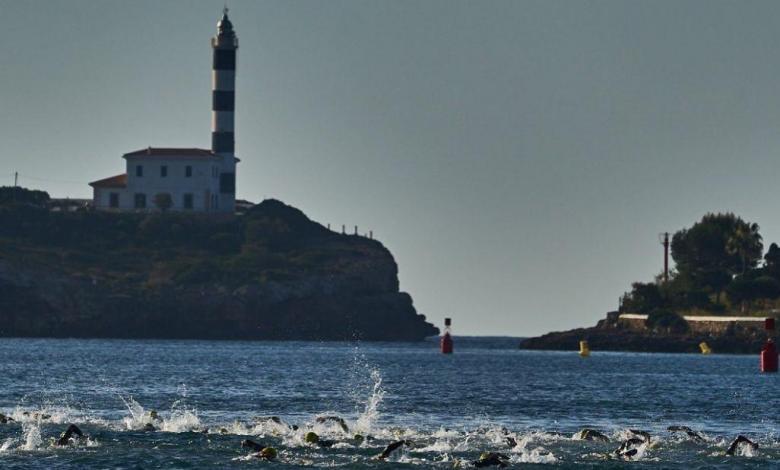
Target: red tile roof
(171, 152)
(118, 181)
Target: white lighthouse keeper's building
(185, 179)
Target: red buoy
(446, 340)
(769, 357)
(446, 344)
(769, 351)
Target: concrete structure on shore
(698, 324)
(185, 179)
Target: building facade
(185, 179)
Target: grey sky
(519, 158)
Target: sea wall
(628, 332)
(705, 325)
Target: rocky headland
(270, 274)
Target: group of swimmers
(628, 449)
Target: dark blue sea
(210, 395)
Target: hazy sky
(519, 158)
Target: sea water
(210, 395)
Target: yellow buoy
(705, 349)
(584, 349)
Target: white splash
(138, 416)
(7, 444)
(370, 414)
(521, 453)
(182, 419)
(263, 426)
(32, 436)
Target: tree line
(720, 266)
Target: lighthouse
(223, 105)
(185, 179)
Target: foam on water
(522, 454)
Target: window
(139, 171)
(188, 171)
(163, 171)
(188, 201)
(113, 200)
(227, 183)
(140, 201)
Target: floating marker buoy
(705, 348)
(584, 349)
(768, 362)
(446, 340)
(769, 357)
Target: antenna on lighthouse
(664, 239)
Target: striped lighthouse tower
(223, 107)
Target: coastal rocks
(609, 335)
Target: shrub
(666, 321)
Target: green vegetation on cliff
(269, 274)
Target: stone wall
(707, 325)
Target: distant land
(269, 274)
(721, 289)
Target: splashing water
(370, 414)
(32, 436)
(138, 417)
(521, 453)
(182, 418)
(7, 444)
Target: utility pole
(664, 238)
(16, 179)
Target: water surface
(210, 395)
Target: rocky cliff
(269, 274)
(611, 334)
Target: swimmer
(642, 434)
(629, 448)
(37, 415)
(688, 431)
(274, 420)
(250, 444)
(313, 438)
(261, 451)
(359, 438)
(392, 447)
(336, 419)
(491, 459)
(590, 435)
(741, 442)
(510, 441)
(66, 437)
